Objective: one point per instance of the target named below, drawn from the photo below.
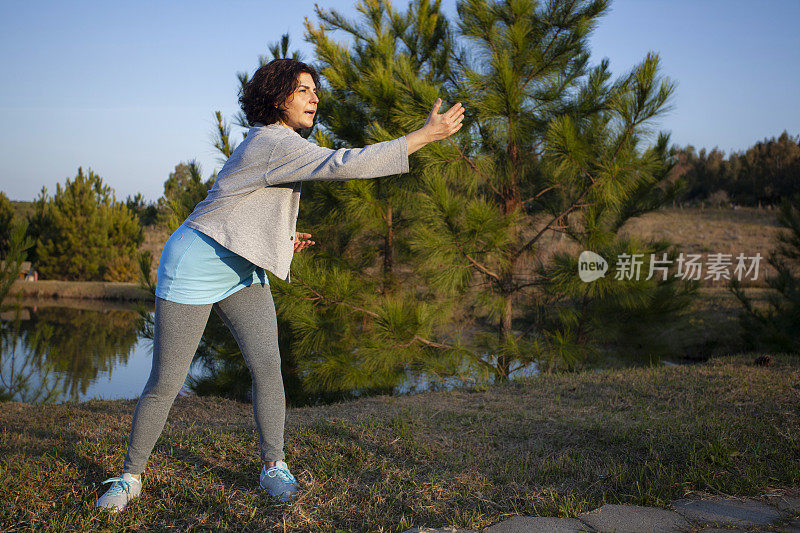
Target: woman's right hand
(437, 127)
(440, 127)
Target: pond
(74, 350)
(77, 350)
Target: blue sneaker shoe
(123, 489)
(278, 481)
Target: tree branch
(321, 296)
(575, 203)
(477, 265)
(473, 166)
(540, 193)
(372, 314)
(539, 70)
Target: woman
(218, 257)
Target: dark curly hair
(269, 87)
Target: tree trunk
(503, 364)
(388, 247)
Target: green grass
(552, 445)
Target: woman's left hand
(300, 244)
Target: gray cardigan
(252, 207)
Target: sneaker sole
(284, 496)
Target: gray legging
(250, 315)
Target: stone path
(706, 513)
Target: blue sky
(129, 89)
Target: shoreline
(79, 290)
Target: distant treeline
(82, 233)
(65, 228)
(761, 175)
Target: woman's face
(301, 106)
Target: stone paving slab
(615, 518)
(722, 530)
(423, 529)
(793, 527)
(538, 524)
(788, 504)
(740, 512)
(719, 514)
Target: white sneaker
(123, 490)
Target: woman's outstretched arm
(297, 159)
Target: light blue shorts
(196, 269)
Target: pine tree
(763, 174)
(777, 327)
(84, 233)
(360, 316)
(21, 377)
(38, 222)
(551, 148)
(366, 219)
(146, 212)
(183, 190)
(14, 255)
(6, 216)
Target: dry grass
(709, 230)
(92, 290)
(554, 445)
(155, 237)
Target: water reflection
(56, 351)
(52, 353)
(415, 382)
(76, 350)
(22, 378)
(80, 343)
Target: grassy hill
(551, 445)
